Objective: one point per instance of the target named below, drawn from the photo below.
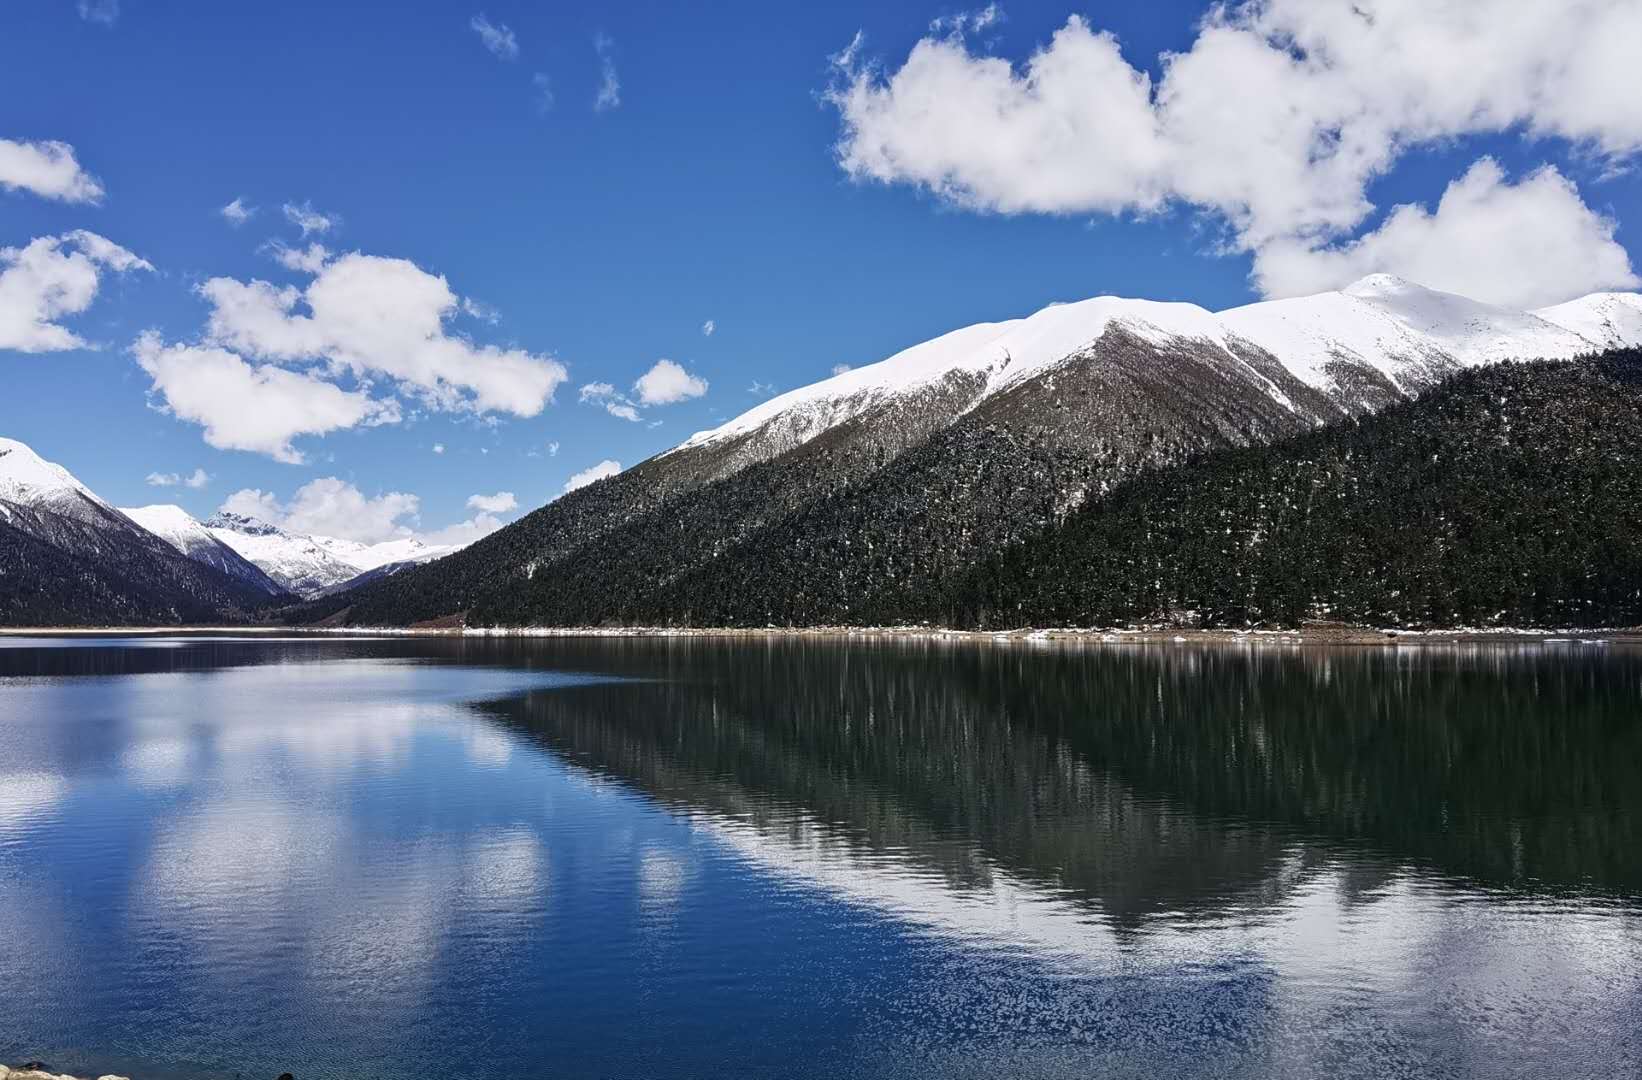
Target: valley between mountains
(1385, 454)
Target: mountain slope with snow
(68, 557)
(178, 528)
(1378, 339)
(887, 479)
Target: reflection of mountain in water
(1146, 780)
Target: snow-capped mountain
(312, 565)
(1376, 340)
(178, 528)
(888, 479)
(66, 555)
(1609, 319)
(28, 480)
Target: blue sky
(724, 185)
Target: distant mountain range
(69, 557)
(856, 499)
(312, 566)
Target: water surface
(690, 858)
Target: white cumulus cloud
(48, 169)
(51, 277)
(603, 469)
(339, 353)
(332, 507)
(260, 408)
(497, 37)
(1275, 120)
(1517, 245)
(380, 318)
(667, 382)
(499, 503)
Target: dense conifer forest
(1510, 494)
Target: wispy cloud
(614, 403)
(309, 260)
(609, 95)
(237, 213)
(102, 12)
(708, 327)
(497, 37)
(309, 220)
(196, 479)
(544, 91)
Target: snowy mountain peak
(1381, 334)
(26, 477)
(178, 528)
(1372, 285)
(170, 523)
(312, 565)
(240, 523)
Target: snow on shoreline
(1322, 635)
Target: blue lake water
(225, 857)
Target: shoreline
(1318, 635)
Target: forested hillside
(1509, 495)
(84, 579)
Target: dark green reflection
(1143, 779)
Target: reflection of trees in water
(943, 789)
(1150, 779)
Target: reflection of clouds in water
(662, 877)
(26, 796)
(335, 740)
(157, 762)
(239, 853)
(376, 938)
(507, 870)
(1329, 958)
(1005, 912)
(487, 746)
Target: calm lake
(225, 857)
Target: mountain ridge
(915, 468)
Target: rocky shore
(34, 1070)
